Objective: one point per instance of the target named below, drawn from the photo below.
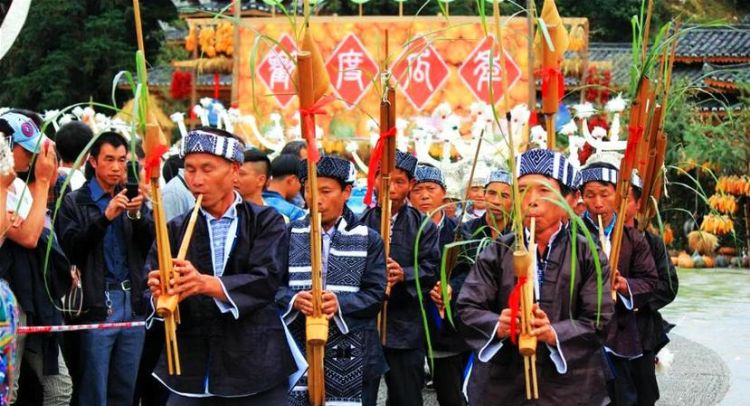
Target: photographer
(106, 230)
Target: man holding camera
(106, 230)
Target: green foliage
(69, 51)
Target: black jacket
(650, 322)
(444, 335)
(240, 356)
(81, 226)
(38, 290)
(404, 328)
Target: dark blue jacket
(404, 329)
(80, 227)
(238, 356)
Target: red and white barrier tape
(77, 327)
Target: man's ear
(92, 161)
(347, 192)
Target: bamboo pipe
(316, 326)
(387, 118)
(236, 52)
(550, 100)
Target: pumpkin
(708, 261)
(730, 251)
(674, 260)
(684, 261)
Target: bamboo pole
(316, 326)
(387, 165)
(521, 257)
(550, 100)
(637, 120)
(236, 52)
(166, 305)
(531, 7)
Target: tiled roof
(726, 76)
(719, 44)
(247, 6)
(162, 76)
(618, 55)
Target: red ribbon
(153, 160)
(308, 115)
(514, 303)
(634, 137)
(549, 74)
(377, 153)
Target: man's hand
(621, 284)
(188, 281)
(303, 302)
(134, 205)
(330, 304)
(117, 205)
(395, 272)
(154, 284)
(45, 167)
(503, 329)
(436, 294)
(541, 327)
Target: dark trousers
(644, 379)
(447, 378)
(405, 378)
(621, 389)
(148, 390)
(370, 392)
(273, 397)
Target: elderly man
(233, 347)
(567, 321)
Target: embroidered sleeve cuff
(227, 307)
(290, 314)
(627, 301)
(340, 323)
(492, 347)
(557, 356)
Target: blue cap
(24, 132)
(426, 173)
(501, 175)
(406, 162)
(551, 164)
(330, 166)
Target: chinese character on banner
(276, 68)
(420, 71)
(482, 70)
(351, 70)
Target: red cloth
(308, 115)
(153, 160)
(377, 153)
(514, 304)
(549, 74)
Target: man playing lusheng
(404, 348)
(568, 326)
(353, 265)
(232, 343)
(635, 280)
